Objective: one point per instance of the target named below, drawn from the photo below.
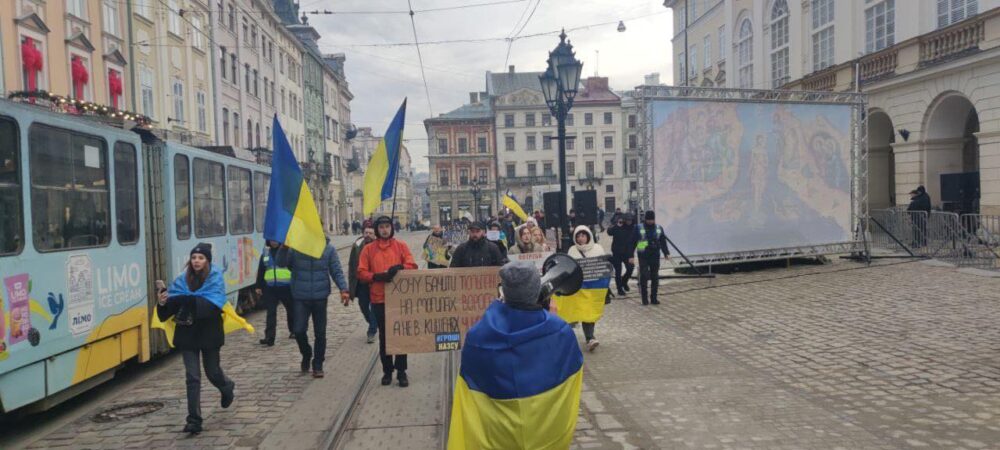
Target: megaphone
(560, 275)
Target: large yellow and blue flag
(380, 178)
(292, 217)
(519, 383)
(587, 304)
(510, 202)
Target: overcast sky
(381, 76)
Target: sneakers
(655, 302)
(592, 344)
(371, 338)
(192, 428)
(304, 366)
(403, 380)
(625, 286)
(317, 374)
(267, 342)
(386, 379)
(621, 292)
(229, 395)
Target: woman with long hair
(538, 235)
(524, 243)
(195, 301)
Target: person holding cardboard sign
(378, 264)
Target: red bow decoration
(114, 87)
(80, 76)
(32, 59)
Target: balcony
(530, 180)
(953, 41)
(878, 65)
(591, 179)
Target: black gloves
(395, 269)
(382, 276)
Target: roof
(595, 90)
(468, 111)
(498, 84)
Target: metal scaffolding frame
(646, 95)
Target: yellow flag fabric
(380, 177)
(509, 202)
(545, 421)
(586, 305)
(231, 321)
(305, 232)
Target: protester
(651, 242)
(586, 248)
(538, 236)
(524, 243)
(359, 290)
(600, 218)
(378, 264)
(477, 251)
(195, 301)
(274, 286)
(623, 241)
(500, 238)
(520, 375)
(919, 201)
(539, 218)
(310, 289)
(437, 251)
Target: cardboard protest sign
(535, 258)
(431, 310)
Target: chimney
(473, 98)
(511, 69)
(653, 79)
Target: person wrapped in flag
(587, 304)
(521, 373)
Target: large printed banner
(431, 310)
(736, 176)
(537, 258)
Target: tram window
(240, 203)
(209, 198)
(261, 187)
(182, 196)
(126, 194)
(69, 189)
(12, 227)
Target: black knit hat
(203, 248)
(650, 215)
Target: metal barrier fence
(970, 240)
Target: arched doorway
(951, 149)
(881, 161)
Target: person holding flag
(292, 219)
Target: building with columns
(461, 157)
(927, 65)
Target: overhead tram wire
(415, 11)
(510, 43)
(416, 41)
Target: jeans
(649, 274)
(616, 262)
(273, 296)
(315, 308)
(389, 363)
(588, 331)
(192, 375)
(365, 303)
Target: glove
(395, 269)
(383, 276)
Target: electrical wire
(415, 11)
(510, 43)
(427, 92)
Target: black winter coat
(481, 253)
(623, 239)
(206, 333)
(922, 202)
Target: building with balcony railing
(930, 68)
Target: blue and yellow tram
(90, 217)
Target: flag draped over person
(510, 202)
(380, 177)
(213, 291)
(292, 217)
(519, 384)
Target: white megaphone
(560, 275)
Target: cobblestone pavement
(900, 355)
(269, 388)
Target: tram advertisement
(20, 309)
(431, 310)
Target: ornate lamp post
(559, 86)
(477, 195)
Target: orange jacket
(378, 257)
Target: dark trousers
(192, 375)
(304, 309)
(588, 331)
(389, 362)
(649, 275)
(616, 262)
(272, 297)
(365, 303)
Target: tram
(90, 217)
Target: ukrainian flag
(519, 383)
(510, 202)
(587, 304)
(380, 179)
(292, 217)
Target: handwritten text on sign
(431, 310)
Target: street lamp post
(477, 194)
(559, 86)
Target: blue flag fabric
(213, 290)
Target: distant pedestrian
(500, 238)
(585, 247)
(624, 238)
(378, 264)
(359, 289)
(310, 288)
(477, 251)
(600, 218)
(195, 301)
(274, 286)
(652, 241)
